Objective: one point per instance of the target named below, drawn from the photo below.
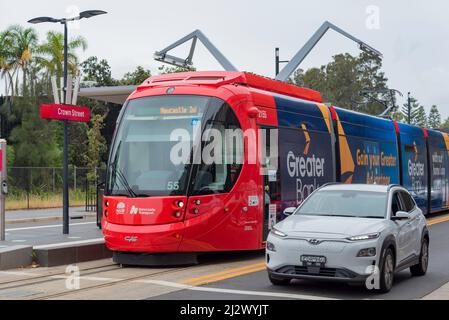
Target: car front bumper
(342, 263)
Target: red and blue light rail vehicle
(153, 205)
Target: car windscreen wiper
(336, 215)
(371, 217)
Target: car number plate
(313, 261)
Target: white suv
(351, 233)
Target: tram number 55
(173, 185)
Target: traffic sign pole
(4, 187)
(65, 173)
(65, 92)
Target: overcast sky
(412, 35)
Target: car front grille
(315, 271)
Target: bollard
(4, 187)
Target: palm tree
(24, 43)
(5, 60)
(51, 54)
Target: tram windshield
(154, 151)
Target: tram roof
(119, 94)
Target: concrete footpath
(42, 215)
(34, 237)
(440, 294)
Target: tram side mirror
(100, 192)
(289, 211)
(253, 112)
(400, 215)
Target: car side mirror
(400, 215)
(289, 211)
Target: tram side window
(221, 159)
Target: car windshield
(345, 203)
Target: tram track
(111, 283)
(52, 277)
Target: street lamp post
(85, 14)
(409, 109)
(278, 61)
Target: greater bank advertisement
(376, 162)
(306, 163)
(414, 163)
(439, 166)
(368, 149)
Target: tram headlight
(177, 214)
(180, 204)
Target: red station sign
(65, 112)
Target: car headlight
(278, 233)
(271, 246)
(365, 237)
(368, 252)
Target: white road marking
(46, 246)
(50, 226)
(243, 292)
(20, 241)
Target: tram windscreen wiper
(142, 195)
(119, 174)
(124, 182)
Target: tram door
(271, 177)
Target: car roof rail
(327, 184)
(393, 185)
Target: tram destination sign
(65, 112)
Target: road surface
(234, 276)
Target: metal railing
(28, 184)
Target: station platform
(34, 238)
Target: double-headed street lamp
(64, 21)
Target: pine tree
(409, 110)
(419, 117)
(434, 119)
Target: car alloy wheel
(388, 271)
(420, 269)
(424, 256)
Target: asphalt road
(405, 287)
(234, 276)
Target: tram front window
(140, 163)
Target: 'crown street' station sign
(65, 112)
